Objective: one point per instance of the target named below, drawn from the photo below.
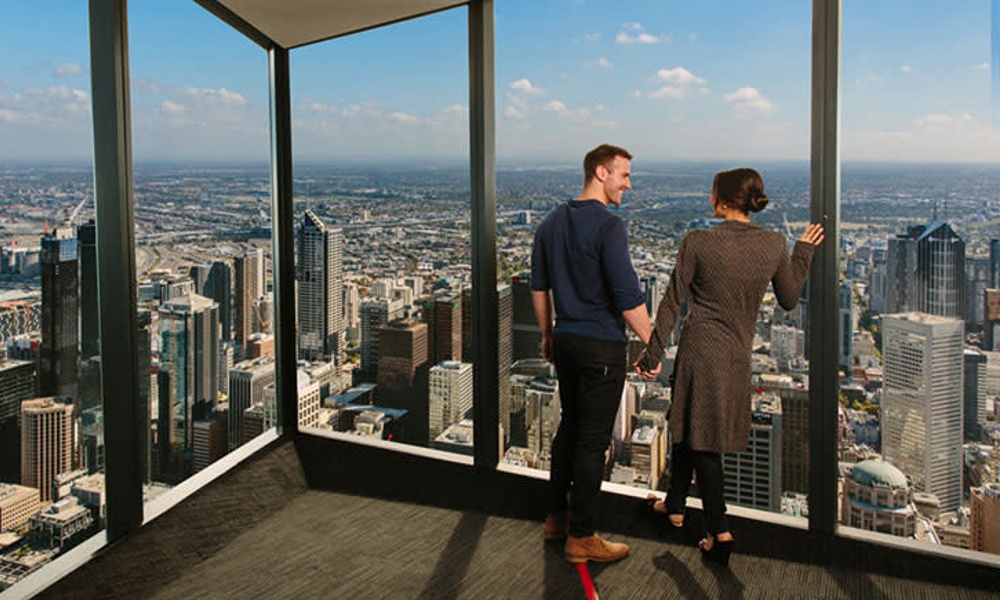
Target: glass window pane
(688, 95)
(383, 271)
(51, 425)
(203, 255)
(919, 426)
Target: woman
(726, 269)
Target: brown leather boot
(592, 547)
(556, 527)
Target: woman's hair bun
(757, 202)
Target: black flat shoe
(652, 501)
(719, 552)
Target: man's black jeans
(591, 378)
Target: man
(580, 254)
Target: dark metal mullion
(482, 157)
(283, 240)
(116, 270)
(824, 283)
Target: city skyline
(668, 82)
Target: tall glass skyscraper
(320, 290)
(57, 368)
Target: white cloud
(680, 83)
(983, 66)
(404, 118)
(555, 105)
(525, 86)
(67, 70)
(603, 62)
(512, 113)
(679, 76)
(749, 100)
(943, 121)
(634, 33)
(907, 69)
(669, 92)
(221, 96)
(172, 107)
(590, 38)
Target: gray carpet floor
(259, 532)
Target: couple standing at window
(581, 271)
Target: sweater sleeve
(669, 308)
(791, 274)
(617, 267)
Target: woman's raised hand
(813, 234)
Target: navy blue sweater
(581, 254)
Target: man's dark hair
(604, 154)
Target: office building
(443, 314)
(984, 518)
(17, 505)
(922, 401)
(973, 393)
(48, 437)
(527, 337)
(218, 286)
(926, 271)
(86, 235)
(644, 454)
(17, 383)
(977, 281)
(189, 341)
(403, 372)
(505, 347)
(210, 441)
(320, 289)
(753, 476)
(847, 321)
(57, 364)
(248, 287)
(247, 381)
(375, 313)
(449, 395)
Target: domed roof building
(878, 497)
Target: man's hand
(547, 348)
(647, 375)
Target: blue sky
(669, 80)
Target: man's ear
(601, 173)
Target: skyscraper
(375, 312)
(443, 314)
(753, 476)
(926, 271)
(527, 335)
(505, 347)
(984, 518)
(57, 365)
(974, 393)
(846, 324)
(218, 286)
(403, 372)
(249, 287)
(189, 329)
(48, 434)
(17, 383)
(320, 296)
(89, 335)
(449, 395)
(247, 381)
(651, 290)
(922, 401)
(977, 281)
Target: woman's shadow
(729, 586)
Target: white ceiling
(293, 23)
